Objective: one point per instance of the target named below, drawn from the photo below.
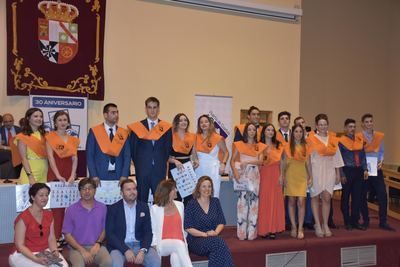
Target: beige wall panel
(173, 53)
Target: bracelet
(144, 250)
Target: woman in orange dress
(271, 211)
(62, 154)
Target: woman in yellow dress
(297, 178)
(32, 148)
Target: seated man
(84, 228)
(128, 229)
(7, 133)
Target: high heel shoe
(300, 234)
(318, 230)
(327, 231)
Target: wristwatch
(145, 250)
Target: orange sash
(36, 145)
(375, 143)
(272, 154)
(61, 148)
(249, 149)
(107, 147)
(205, 145)
(350, 144)
(324, 150)
(280, 138)
(15, 157)
(183, 146)
(240, 128)
(154, 134)
(299, 154)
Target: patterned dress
(247, 205)
(214, 247)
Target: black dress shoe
(387, 227)
(365, 224)
(348, 227)
(332, 225)
(272, 236)
(359, 227)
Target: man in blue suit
(7, 133)
(128, 230)
(151, 144)
(107, 148)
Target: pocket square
(142, 214)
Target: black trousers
(377, 183)
(352, 188)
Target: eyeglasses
(41, 230)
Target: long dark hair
(176, 120)
(273, 139)
(246, 135)
(26, 128)
(292, 142)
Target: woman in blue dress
(204, 221)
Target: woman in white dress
(211, 152)
(326, 162)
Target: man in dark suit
(7, 133)
(107, 148)
(8, 130)
(128, 230)
(151, 144)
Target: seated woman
(204, 221)
(169, 238)
(34, 231)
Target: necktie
(356, 158)
(112, 158)
(9, 138)
(152, 124)
(286, 136)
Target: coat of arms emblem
(57, 34)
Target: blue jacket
(144, 153)
(348, 156)
(97, 161)
(116, 226)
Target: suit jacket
(157, 222)
(144, 153)
(97, 161)
(116, 226)
(3, 137)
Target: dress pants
(378, 184)
(352, 188)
